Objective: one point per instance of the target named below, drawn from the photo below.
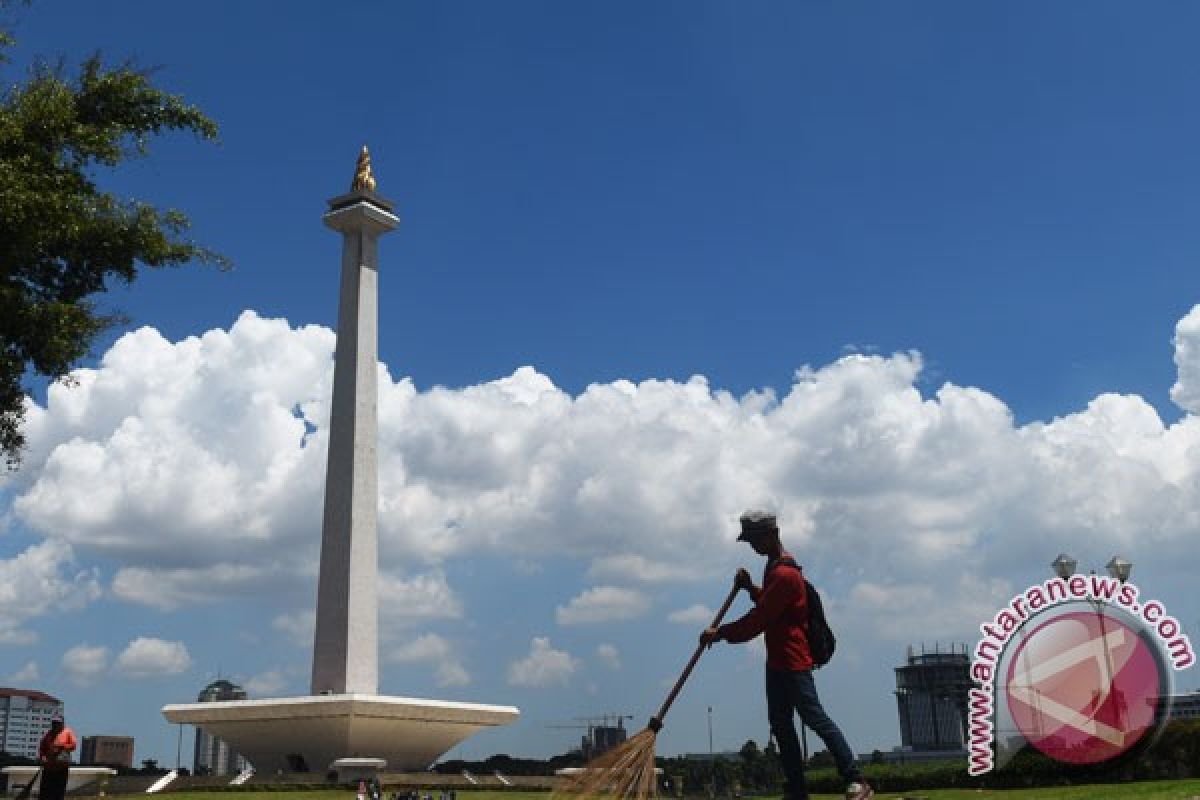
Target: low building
(1182, 706)
(106, 751)
(25, 716)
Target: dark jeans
(791, 692)
(54, 784)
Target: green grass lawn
(1144, 790)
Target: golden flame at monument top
(363, 179)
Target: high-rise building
(25, 716)
(213, 756)
(106, 751)
(931, 697)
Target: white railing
(242, 776)
(163, 782)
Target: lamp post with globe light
(1117, 567)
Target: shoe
(859, 790)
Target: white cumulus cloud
(543, 667)
(83, 663)
(270, 683)
(632, 567)
(168, 589)
(609, 655)
(432, 649)
(198, 466)
(147, 657)
(692, 615)
(602, 604)
(39, 580)
(26, 674)
(417, 598)
(299, 627)
(194, 451)
(1186, 391)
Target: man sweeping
(781, 613)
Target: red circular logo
(1083, 687)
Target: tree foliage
(63, 240)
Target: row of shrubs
(1174, 754)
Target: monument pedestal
(296, 734)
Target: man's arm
(773, 599)
(741, 580)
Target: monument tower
(345, 657)
(344, 718)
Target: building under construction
(931, 697)
(602, 738)
(603, 733)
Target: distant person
(781, 612)
(54, 754)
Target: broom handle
(656, 720)
(27, 789)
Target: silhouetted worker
(781, 612)
(54, 754)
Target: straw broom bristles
(626, 772)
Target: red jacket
(54, 750)
(781, 612)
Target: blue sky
(790, 200)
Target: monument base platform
(307, 734)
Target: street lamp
(1119, 568)
(1064, 566)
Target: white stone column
(345, 647)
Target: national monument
(344, 717)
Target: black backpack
(821, 641)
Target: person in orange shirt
(54, 754)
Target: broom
(27, 789)
(626, 772)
